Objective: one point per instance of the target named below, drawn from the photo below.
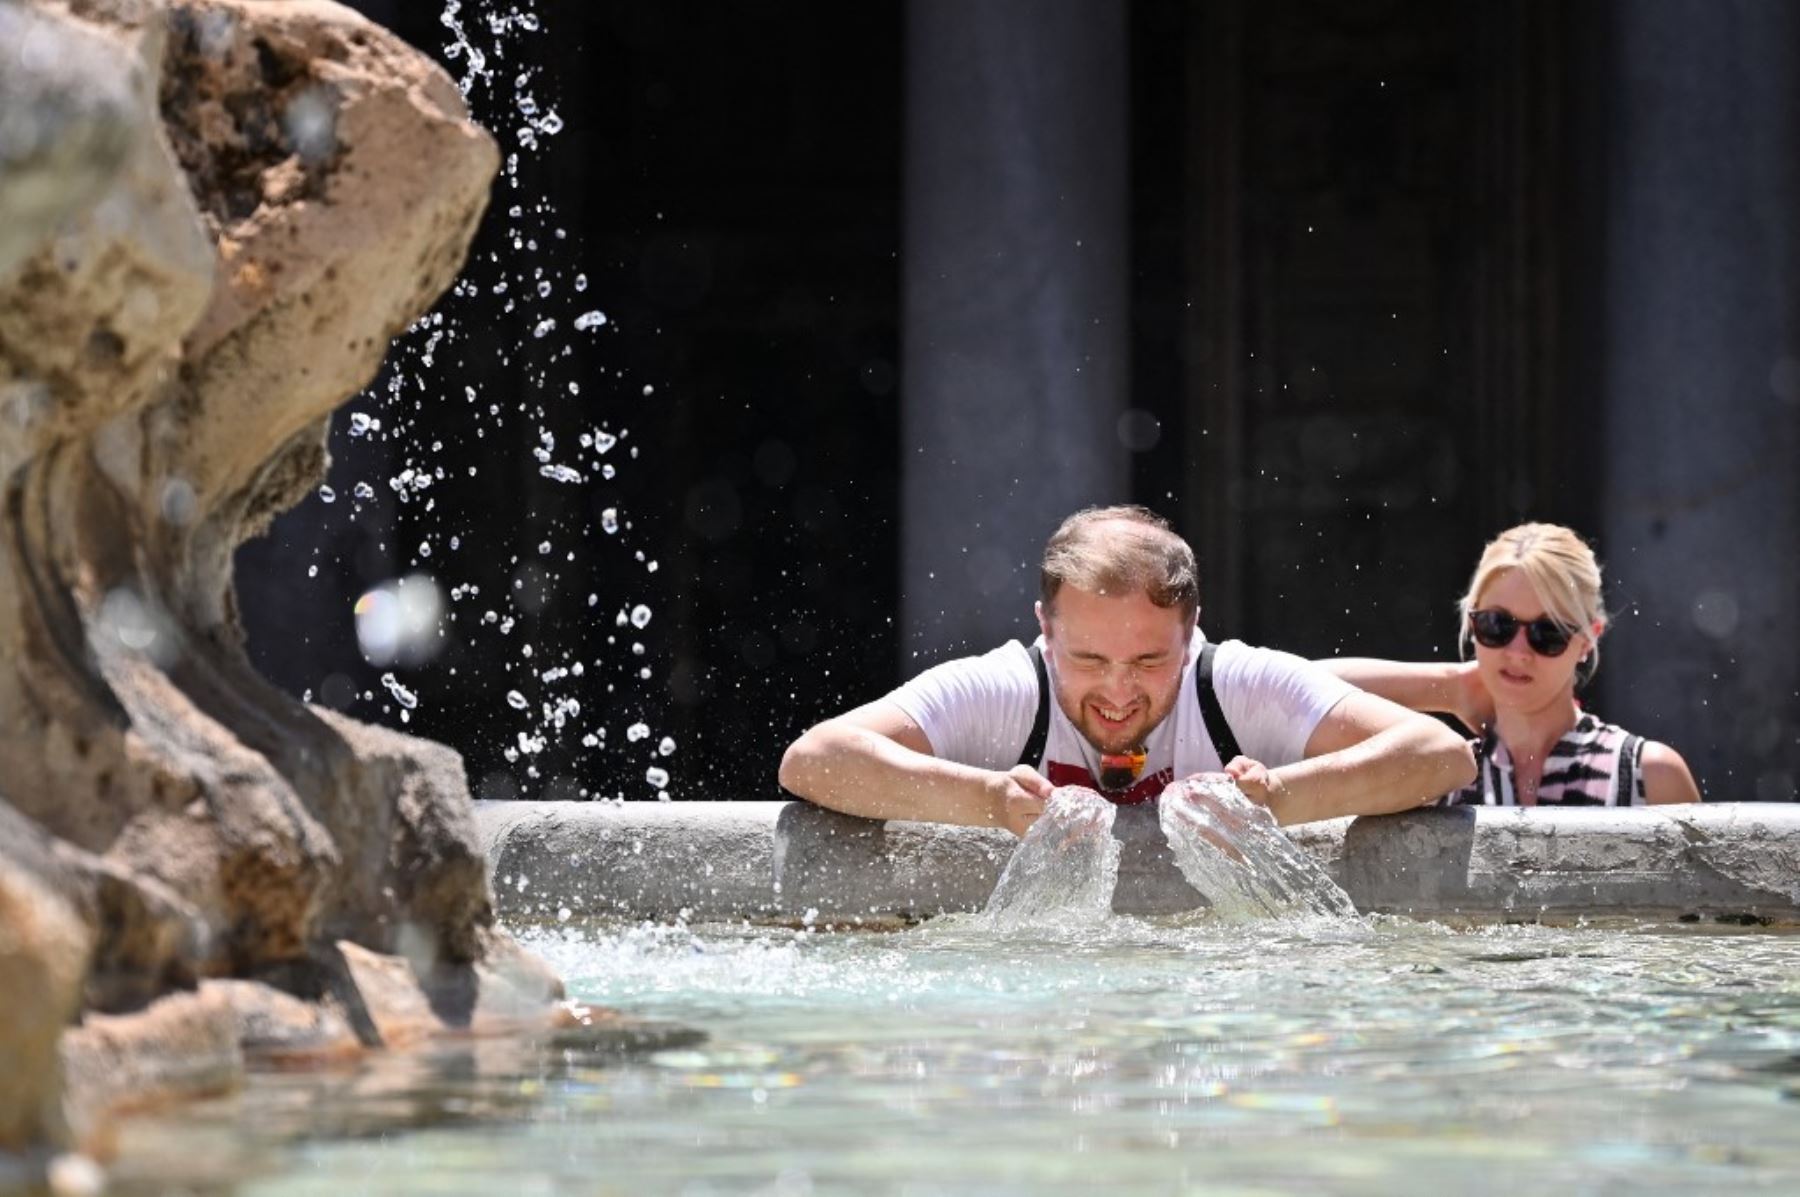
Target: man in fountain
(1122, 693)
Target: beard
(1107, 737)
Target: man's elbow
(1455, 755)
(796, 764)
(807, 764)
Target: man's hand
(1019, 795)
(1258, 782)
(1198, 807)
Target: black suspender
(1216, 724)
(1625, 791)
(1217, 727)
(1040, 727)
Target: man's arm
(1367, 756)
(875, 761)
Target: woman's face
(1515, 675)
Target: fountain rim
(784, 862)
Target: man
(1122, 693)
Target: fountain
(216, 215)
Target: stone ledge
(776, 861)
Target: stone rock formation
(44, 950)
(214, 216)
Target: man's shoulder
(1239, 665)
(1235, 657)
(1010, 662)
(976, 709)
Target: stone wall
(795, 862)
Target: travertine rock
(181, 1046)
(290, 186)
(214, 216)
(142, 940)
(44, 950)
(69, 124)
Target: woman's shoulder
(1667, 777)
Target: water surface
(1337, 1055)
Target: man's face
(1118, 663)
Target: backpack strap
(1625, 793)
(1216, 725)
(1040, 727)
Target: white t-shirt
(979, 711)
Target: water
(519, 358)
(1306, 1054)
(1063, 872)
(1232, 853)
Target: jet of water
(1230, 850)
(1062, 874)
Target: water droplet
(657, 776)
(516, 701)
(637, 731)
(589, 320)
(402, 695)
(640, 616)
(666, 746)
(398, 621)
(327, 495)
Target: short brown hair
(1121, 550)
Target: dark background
(727, 176)
(1362, 243)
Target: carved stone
(214, 216)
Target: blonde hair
(1561, 570)
(1121, 550)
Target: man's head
(1120, 595)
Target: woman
(1533, 618)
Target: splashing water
(516, 342)
(1230, 850)
(1063, 873)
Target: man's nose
(1121, 679)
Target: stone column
(1015, 337)
(1700, 442)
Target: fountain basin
(792, 861)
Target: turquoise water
(1324, 1055)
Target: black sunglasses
(1496, 629)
